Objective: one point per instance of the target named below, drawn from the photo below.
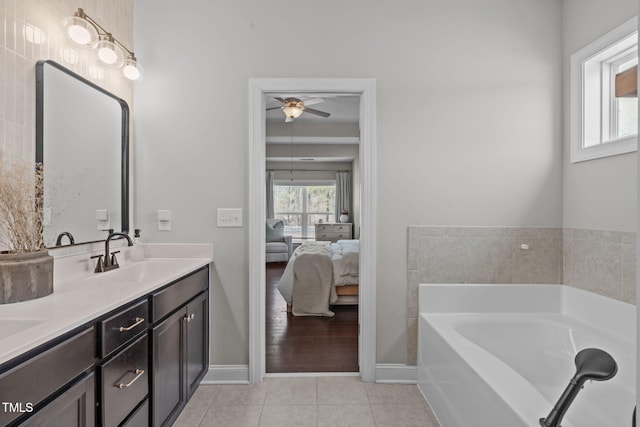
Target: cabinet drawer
(125, 382)
(175, 295)
(323, 228)
(122, 326)
(73, 408)
(341, 236)
(341, 228)
(140, 417)
(42, 375)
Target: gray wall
(598, 194)
(468, 122)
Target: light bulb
(132, 69)
(79, 34)
(109, 53)
(80, 31)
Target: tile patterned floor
(308, 401)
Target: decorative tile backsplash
(597, 261)
(31, 30)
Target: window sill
(606, 149)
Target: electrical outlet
(229, 217)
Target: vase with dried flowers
(26, 268)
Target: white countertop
(79, 295)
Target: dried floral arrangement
(21, 200)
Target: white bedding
(345, 256)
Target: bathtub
(501, 355)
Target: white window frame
(305, 183)
(593, 109)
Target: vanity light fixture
(84, 31)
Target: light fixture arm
(80, 13)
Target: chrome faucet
(110, 262)
(61, 235)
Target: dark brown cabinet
(179, 347)
(73, 408)
(135, 366)
(28, 385)
(197, 345)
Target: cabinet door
(73, 408)
(197, 345)
(167, 369)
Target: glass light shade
(132, 69)
(80, 31)
(110, 53)
(292, 111)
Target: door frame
(259, 88)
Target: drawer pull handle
(138, 372)
(128, 328)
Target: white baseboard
(227, 374)
(396, 373)
(392, 373)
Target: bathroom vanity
(126, 347)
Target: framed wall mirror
(82, 141)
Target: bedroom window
(301, 205)
(602, 124)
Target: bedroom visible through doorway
(313, 213)
(259, 90)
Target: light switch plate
(229, 217)
(164, 220)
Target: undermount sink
(10, 327)
(149, 270)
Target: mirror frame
(124, 159)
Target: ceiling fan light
(292, 111)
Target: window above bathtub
(602, 124)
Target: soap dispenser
(136, 236)
(138, 247)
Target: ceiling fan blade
(279, 99)
(279, 107)
(312, 101)
(316, 112)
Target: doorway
(311, 163)
(259, 90)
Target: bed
(320, 274)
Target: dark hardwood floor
(305, 343)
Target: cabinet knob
(189, 317)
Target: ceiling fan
(294, 107)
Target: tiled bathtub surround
(598, 261)
(603, 262)
(478, 255)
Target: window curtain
(343, 194)
(269, 198)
